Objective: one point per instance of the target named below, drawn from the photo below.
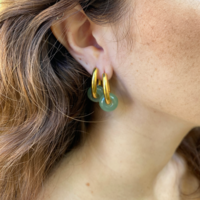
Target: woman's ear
(77, 33)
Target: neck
(128, 148)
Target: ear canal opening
(96, 44)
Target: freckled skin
(158, 81)
(164, 64)
(88, 184)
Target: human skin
(132, 153)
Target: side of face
(162, 70)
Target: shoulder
(175, 180)
(188, 183)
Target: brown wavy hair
(43, 93)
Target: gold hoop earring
(106, 88)
(108, 101)
(95, 91)
(95, 82)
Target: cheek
(167, 56)
(169, 29)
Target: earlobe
(75, 32)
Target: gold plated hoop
(106, 88)
(94, 82)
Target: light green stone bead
(99, 93)
(108, 107)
